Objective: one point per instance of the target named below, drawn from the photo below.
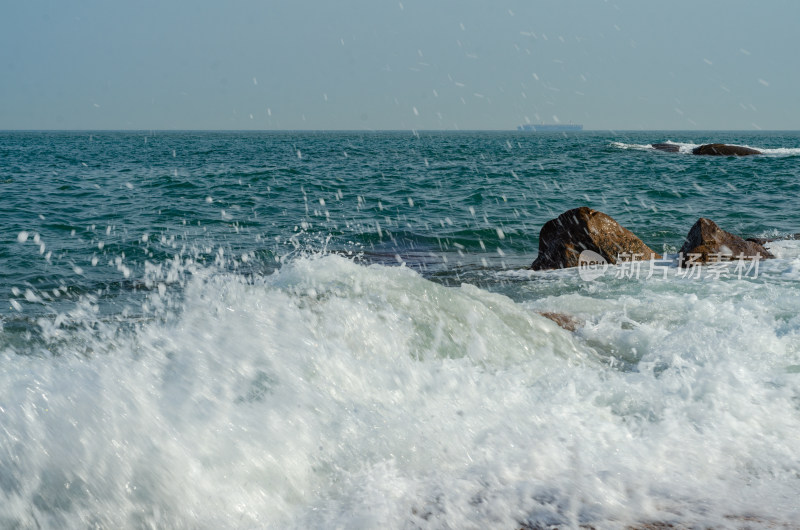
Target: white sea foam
(682, 147)
(334, 395)
(780, 151)
(623, 145)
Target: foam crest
(781, 151)
(623, 145)
(261, 395)
(332, 394)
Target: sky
(400, 65)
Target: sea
(341, 330)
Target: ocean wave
(333, 394)
(350, 339)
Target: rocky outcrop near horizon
(709, 149)
(724, 150)
(670, 148)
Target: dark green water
(459, 197)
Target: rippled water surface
(321, 330)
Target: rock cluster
(563, 239)
(710, 149)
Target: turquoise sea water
(325, 329)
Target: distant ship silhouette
(551, 127)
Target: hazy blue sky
(413, 64)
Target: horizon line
(412, 131)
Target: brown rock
(568, 322)
(670, 148)
(764, 240)
(562, 240)
(707, 242)
(761, 240)
(724, 150)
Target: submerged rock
(568, 322)
(670, 148)
(562, 240)
(707, 242)
(765, 240)
(724, 150)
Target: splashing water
(250, 375)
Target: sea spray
(165, 365)
(331, 393)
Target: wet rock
(724, 150)
(670, 148)
(562, 240)
(707, 242)
(568, 322)
(762, 240)
(765, 240)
